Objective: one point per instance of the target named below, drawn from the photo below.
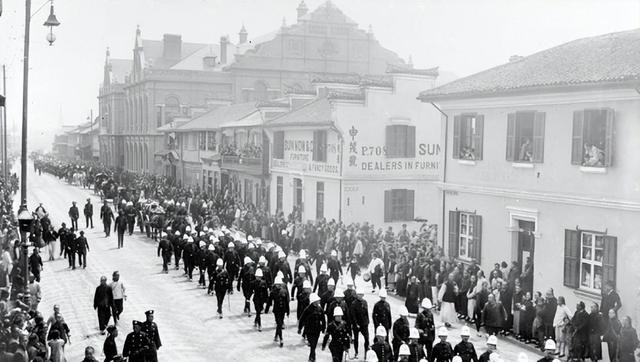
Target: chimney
(302, 9)
(224, 42)
(172, 47)
(242, 35)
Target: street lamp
(25, 224)
(51, 22)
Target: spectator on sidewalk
(560, 320)
(56, 347)
(612, 335)
(110, 349)
(35, 264)
(103, 303)
(88, 214)
(493, 316)
(610, 299)
(628, 341)
(88, 354)
(119, 295)
(74, 215)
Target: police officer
(492, 345)
(211, 259)
(416, 350)
(303, 262)
(188, 254)
(130, 211)
(266, 271)
(382, 313)
(549, 351)
(260, 291)
(425, 325)
(442, 351)
(465, 349)
(313, 322)
(177, 248)
(282, 265)
(400, 330)
(166, 249)
(88, 214)
(74, 215)
(136, 344)
(333, 265)
(106, 215)
(70, 248)
(150, 328)
(360, 320)
(232, 261)
(338, 331)
(81, 248)
(222, 285)
(279, 298)
(120, 227)
(380, 346)
(247, 275)
(328, 295)
(321, 281)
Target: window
(320, 146)
(468, 132)
(401, 141)
(248, 191)
(525, 137)
(279, 193)
(465, 235)
(278, 145)
(592, 141)
(171, 109)
(211, 141)
(159, 116)
(589, 260)
(398, 205)
(319, 200)
(297, 193)
(202, 141)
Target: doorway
(526, 248)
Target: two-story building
(362, 150)
(543, 168)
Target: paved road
(184, 313)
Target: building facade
(542, 167)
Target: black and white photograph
(319, 180)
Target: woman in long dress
(56, 347)
(449, 291)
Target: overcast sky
(460, 36)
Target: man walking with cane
(103, 303)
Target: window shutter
(410, 143)
(571, 258)
(609, 260)
(511, 136)
(538, 137)
(410, 199)
(390, 141)
(576, 139)
(608, 146)
(316, 145)
(478, 136)
(477, 237)
(454, 224)
(324, 146)
(387, 206)
(456, 136)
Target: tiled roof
(605, 58)
(316, 113)
(214, 118)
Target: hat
(111, 329)
(334, 253)
(492, 340)
(314, 298)
(380, 331)
(337, 311)
(457, 359)
(188, 228)
(522, 357)
(284, 232)
(115, 273)
(301, 269)
(81, 232)
(426, 303)
(211, 247)
(247, 260)
(259, 272)
(189, 239)
(331, 282)
(278, 280)
(465, 332)
(202, 244)
(443, 332)
(185, 237)
(169, 228)
(211, 238)
(404, 350)
(251, 246)
(302, 254)
(149, 312)
(219, 262)
(249, 238)
(371, 355)
(136, 323)
(549, 345)
(403, 311)
(382, 293)
(413, 333)
(231, 245)
(279, 274)
(306, 284)
(281, 254)
(262, 260)
(177, 233)
(205, 228)
(201, 233)
(323, 268)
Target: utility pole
(4, 123)
(25, 103)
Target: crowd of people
(229, 242)
(247, 151)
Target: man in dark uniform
(165, 247)
(88, 214)
(279, 298)
(62, 234)
(320, 285)
(136, 344)
(130, 212)
(82, 246)
(426, 326)
(382, 313)
(283, 266)
(400, 330)
(74, 214)
(222, 285)
(312, 320)
(232, 262)
(492, 345)
(465, 349)
(70, 247)
(340, 334)
(260, 291)
(380, 345)
(442, 351)
(106, 215)
(247, 275)
(266, 271)
(103, 303)
(120, 227)
(360, 320)
(189, 256)
(150, 328)
(177, 248)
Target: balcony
(249, 165)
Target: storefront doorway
(526, 247)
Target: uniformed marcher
(426, 326)
(313, 322)
(321, 281)
(404, 353)
(131, 213)
(328, 295)
(416, 350)
(380, 345)
(492, 345)
(177, 248)
(400, 330)
(70, 247)
(382, 313)
(232, 262)
(189, 256)
(136, 344)
(81, 248)
(442, 351)
(549, 351)
(106, 215)
(260, 291)
(304, 299)
(279, 298)
(359, 320)
(247, 276)
(222, 285)
(465, 349)
(266, 271)
(338, 331)
(150, 328)
(166, 249)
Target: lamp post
(25, 224)
(51, 22)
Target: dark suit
(88, 214)
(103, 303)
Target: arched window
(171, 108)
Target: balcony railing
(239, 160)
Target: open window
(468, 132)
(525, 137)
(592, 141)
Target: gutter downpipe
(444, 171)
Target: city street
(189, 328)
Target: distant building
(77, 142)
(543, 167)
